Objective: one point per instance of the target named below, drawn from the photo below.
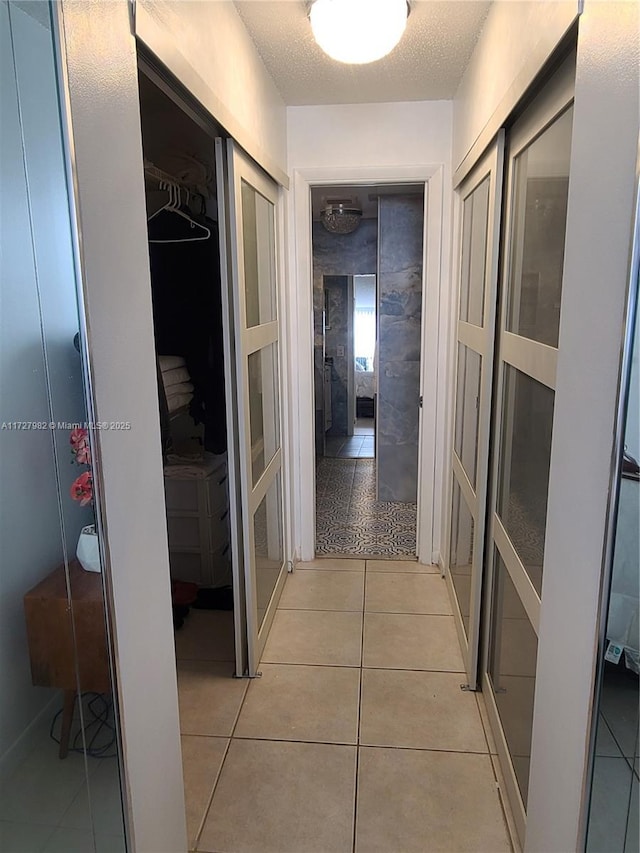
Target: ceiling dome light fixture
(340, 218)
(358, 31)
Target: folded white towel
(180, 388)
(190, 465)
(175, 376)
(169, 362)
(177, 401)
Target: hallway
(356, 737)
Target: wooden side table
(67, 638)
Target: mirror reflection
(613, 816)
(59, 770)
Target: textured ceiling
(426, 65)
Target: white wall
(516, 39)
(345, 135)
(351, 143)
(38, 317)
(206, 46)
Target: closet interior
(182, 220)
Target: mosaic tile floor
(349, 519)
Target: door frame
(434, 352)
(351, 358)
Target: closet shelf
(199, 183)
(157, 174)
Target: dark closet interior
(184, 260)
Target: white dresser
(197, 501)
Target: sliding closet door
(539, 150)
(252, 198)
(478, 271)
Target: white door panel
(481, 199)
(259, 563)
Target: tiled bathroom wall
(399, 334)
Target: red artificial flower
(79, 440)
(82, 488)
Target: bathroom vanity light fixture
(358, 31)
(340, 218)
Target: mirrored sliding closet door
(60, 779)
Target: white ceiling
(426, 65)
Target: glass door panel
(537, 184)
(264, 408)
(541, 187)
(512, 668)
(259, 256)
(253, 299)
(481, 193)
(523, 477)
(268, 546)
(468, 410)
(475, 219)
(461, 553)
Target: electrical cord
(99, 732)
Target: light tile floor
(51, 805)
(365, 426)
(360, 445)
(613, 818)
(350, 446)
(357, 736)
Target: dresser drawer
(183, 495)
(204, 496)
(197, 532)
(207, 569)
(217, 492)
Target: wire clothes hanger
(173, 206)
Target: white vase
(87, 552)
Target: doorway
(186, 290)
(212, 230)
(368, 249)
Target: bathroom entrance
(367, 277)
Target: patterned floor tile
(349, 519)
